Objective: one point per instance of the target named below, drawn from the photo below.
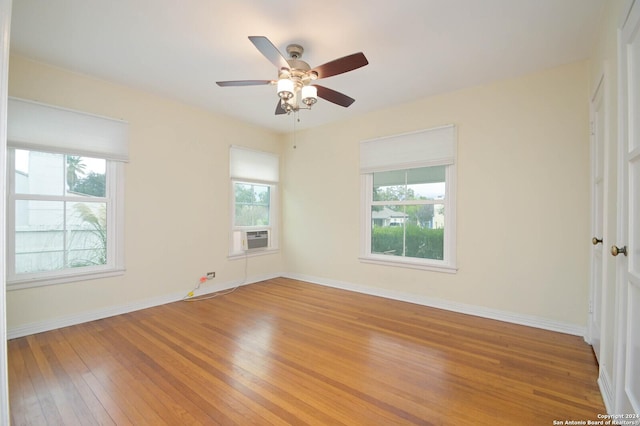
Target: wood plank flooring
(286, 352)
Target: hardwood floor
(288, 352)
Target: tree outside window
(61, 212)
(407, 213)
(252, 203)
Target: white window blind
(431, 147)
(252, 165)
(40, 127)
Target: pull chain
(295, 118)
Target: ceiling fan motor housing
(299, 71)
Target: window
(64, 209)
(252, 204)
(254, 189)
(408, 209)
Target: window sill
(252, 253)
(22, 283)
(450, 269)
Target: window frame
(253, 167)
(448, 264)
(436, 146)
(235, 246)
(114, 201)
(235, 203)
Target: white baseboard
(67, 320)
(606, 389)
(479, 311)
(511, 317)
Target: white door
(628, 244)
(597, 225)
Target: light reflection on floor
(253, 345)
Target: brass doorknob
(595, 241)
(615, 250)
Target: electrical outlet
(211, 275)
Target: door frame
(5, 25)
(598, 175)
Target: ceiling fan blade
(333, 96)
(279, 109)
(341, 65)
(244, 83)
(269, 51)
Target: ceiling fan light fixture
(309, 95)
(285, 88)
(295, 76)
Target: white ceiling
(415, 48)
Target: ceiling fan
(295, 77)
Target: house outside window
(254, 200)
(408, 200)
(65, 210)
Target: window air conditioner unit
(252, 240)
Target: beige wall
(177, 195)
(523, 197)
